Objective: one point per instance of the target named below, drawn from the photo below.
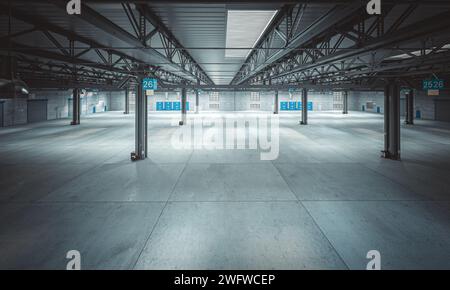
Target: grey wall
(117, 101)
(358, 99)
(422, 102)
(240, 101)
(37, 110)
(60, 102)
(426, 104)
(58, 106)
(14, 112)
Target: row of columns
(76, 105)
(304, 120)
(391, 117)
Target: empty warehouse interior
(224, 135)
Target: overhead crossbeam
(192, 72)
(110, 68)
(359, 46)
(288, 19)
(174, 51)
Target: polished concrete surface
(324, 203)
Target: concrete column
(410, 107)
(183, 106)
(197, 102)
(141, 149)
(304, 107)
(127, 101)
(277, 104)
(392, 121)
(345, 98)
(76, 107)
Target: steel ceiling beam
(412, 32)
(29, 50)
(364, 52)
(66, 70)
(258, 60)
(172, 44)
(280, 87)
(94, 18)
(109, 59)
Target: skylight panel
(244, 28)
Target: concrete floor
(323, 204)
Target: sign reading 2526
(150, 84)
(435, 84)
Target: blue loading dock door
(294, 106)
(170, 106)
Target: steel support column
(183, 106)
(410, 107)
(392, 121)
(141, 149)
(197, 102)
(345, 99)
(127, 101)
(76, 107)
(304, 107)
(276, 104)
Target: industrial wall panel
(403, 107)
(37, 111)
(243, 101)
(443, 110)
